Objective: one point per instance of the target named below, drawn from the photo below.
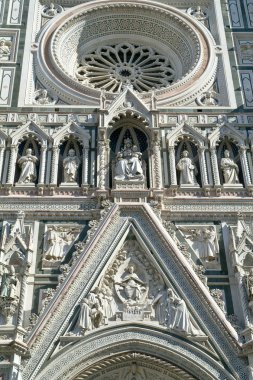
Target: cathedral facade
(126, 190)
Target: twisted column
(245, 167)
(214, 161)
(85, 166)
(157, 164)
(202, 164)
(1, 159)
(20, 316)
(102, 163)
(54, 168)
(12, 164)
(172, 165)
(42, 164)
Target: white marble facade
(126, 185)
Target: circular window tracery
(110, 67)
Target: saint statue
(178, 316)
(230, 169)
(70, 166)
(133, 286)
(187, 170)
(28, 167)
(160, 303)
(128, 162)
(249, 280)
(8, 285)
(205, 241)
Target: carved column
(172, 164)
(214, 161)
(245, 167)
(20, 316)
(202, 164)
(12, 164)
(102, 163)
(157, 163)
(85, 166)
(42, 164)
(54, 168)
(1, 160)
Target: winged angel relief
(133, 290)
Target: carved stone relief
(133, 290)
(203, 240)
(57, 241)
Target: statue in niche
(8, 283)
(133, 286)
(209, 99)
(70, 166)
(187, 169)
(28, 167)
(128, 163)
(230, 169)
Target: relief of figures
(70, 167)
(230, 169)
(187, 169)
(204, 240)
(57, 241)
(128, 164)
(133, 290)
(28, 168)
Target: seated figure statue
(128, 162)
(230, 169)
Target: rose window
(110, 67)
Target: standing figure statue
(249, 281)
(230, 169)
(128, 165)
(70, 166)
(28, 167)
(178, 316)
(55, 245)
(9, 282)
(187, 169)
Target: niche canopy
(105, 45)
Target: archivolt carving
(134, 366)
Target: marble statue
(206, 243)
(230, 169)
(133, 286)
(128, 162)
(51, 11)
(70, 166)
(249, 280)
(159, 304)
(28, 167)
(178, 316)
(187, 170)
(8, 284)
(91, 312)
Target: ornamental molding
(185, 129)
(99, 20)
(107, 239)
(226, 129)
(69, 130)
(30, 129)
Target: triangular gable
(30, 129)
(72, 128)
(98, 252)
(223, 130)
(127, 102)
(188, 130)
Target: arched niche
(65, 146)
(128, 128)
(28, 143)
(227, 144)
(192, 148)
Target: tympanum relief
(57, 241)
(133, 290)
